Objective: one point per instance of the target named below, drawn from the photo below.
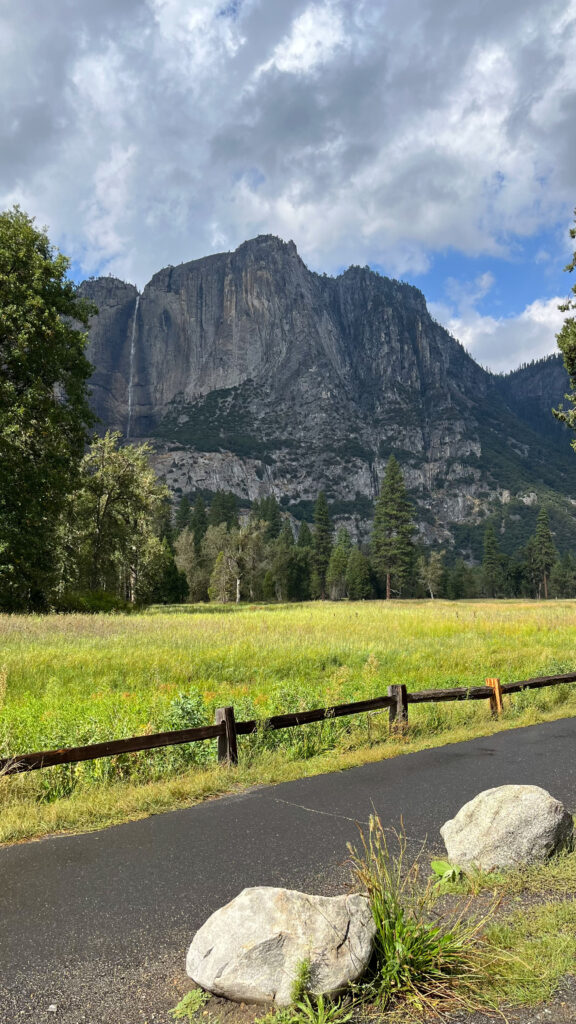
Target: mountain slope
(255, 375)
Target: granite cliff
(252, 374)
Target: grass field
(68, 680)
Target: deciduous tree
(430, 571)
(116, 516)
(44, 412)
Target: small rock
(250, 950)
(53, 1008)
(506, 827)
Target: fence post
(495, 697)
(398, 712)
(227, 743)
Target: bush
(91, 602)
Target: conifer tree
(323, 531)
(337, 566)
(305, 538)
(224, 509)
(358, 582)
(268, 510)
(198, 522)
(392, 550)
(492, 574)
(544, 553)
(183, 512)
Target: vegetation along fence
(226, 729)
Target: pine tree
(183, 512)
(544, 550)
(224, 509)
(323, 531)
(492, 574)
(290, 568)
(392, 550)
(268, 510)
(558, 580)
(358, 582)
(305, 538)
(198, 522)
(337, 566)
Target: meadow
(71, 679)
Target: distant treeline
(261, 557)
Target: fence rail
(226, 729)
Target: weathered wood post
(495, 697)
(398, 712)
(227, 743)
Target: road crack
(356, 821)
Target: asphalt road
(98, 925)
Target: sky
(433, 140)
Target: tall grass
(421, 957)
(79, 679)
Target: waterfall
(131, 376)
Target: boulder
(506, 827)
(251, 949)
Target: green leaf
(441, 867)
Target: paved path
(98, 924)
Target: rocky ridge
(251, 373)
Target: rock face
(506, 827)
(251, 949)
(255, 375)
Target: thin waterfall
(132, 361)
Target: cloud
(502, 343)
(147, 132)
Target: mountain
(252, 374)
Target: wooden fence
(226, 729)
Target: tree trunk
(237, 590)
(545, 587)
(387, 586)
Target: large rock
(251, 949)
(506, 827)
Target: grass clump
(537, 947)
(420, 958)
(318, 1010)
(190, 1005)
(301, 981)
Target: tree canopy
(567, 344)
(44, 412)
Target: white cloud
(146, 132)
(313, 40)
(502, 343)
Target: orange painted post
(495, 697)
